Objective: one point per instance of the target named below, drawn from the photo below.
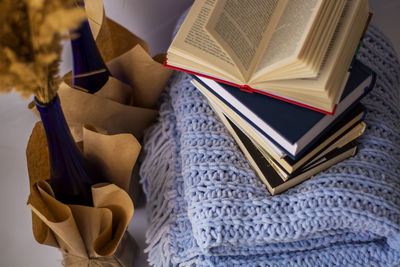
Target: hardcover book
(268, 174)
(298, 51)
(346, 130)
(282, 128)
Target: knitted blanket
(208, 208)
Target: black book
(268, 174)
(347, 129)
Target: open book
(296, 50)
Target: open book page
(243, 28)
(313, 48)
(337, 60)
(289, 35)
(316, 50)
(194, 42)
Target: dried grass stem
(30, 35)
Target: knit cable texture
(208, 208)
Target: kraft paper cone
(87, 232)
(138, 79)
(95, 13)
(85, 235)
(109, 40)
(113, 155)
(113, 89)
(109, 110)
(38, 165)
(106, 116)
(128, 57)
(108, 34)
(126, 102)
(145, 75)
(116, 91)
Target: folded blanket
(208, 208)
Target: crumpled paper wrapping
(120, 111)
(86, 236)
(126, 103)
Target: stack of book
(301, 52)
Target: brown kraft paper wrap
(86, 236)
(107, 116)
(128, 57)
(129, 95)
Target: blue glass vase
(89, 71)
(70, 174)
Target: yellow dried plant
(31, 32)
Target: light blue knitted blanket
(208, 208)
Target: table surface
(153, 21)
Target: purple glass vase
(90, 73)
(70, 175)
